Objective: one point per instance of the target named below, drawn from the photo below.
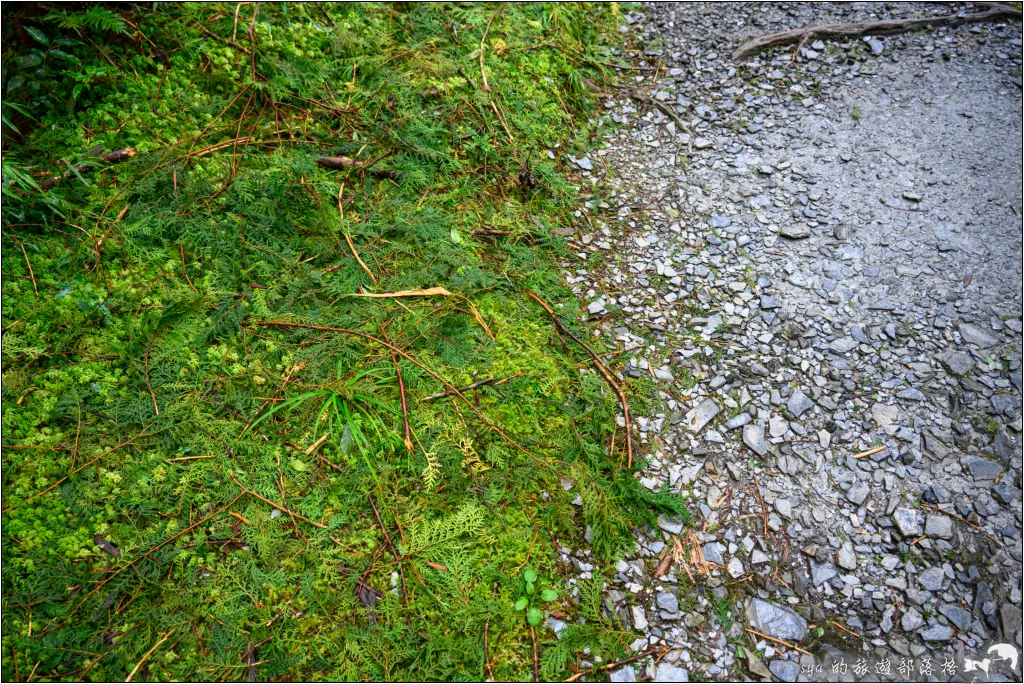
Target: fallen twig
(478, 232)
(351, 246)
(149, 385)
(391, 547)
(405, 404)
(483, 38)
(401, 352)
(283, 509)
(28, 263)
(181, 251)
(845, 629)
(185, 458)
(287, 603)
(607, 666)
(428, 292)
(232, 43)
(149, 653)
(487, 653)
(601, 367)
(872, 28)
(964, 521)
(778, 641)
(317, 443)
(109, 158)
(869, 452)
(669, 112)
(345, 163)
(471, 386)
(536, 655)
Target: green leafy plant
(214, 441)
(96, 18)
(530, 598)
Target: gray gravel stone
(940, 526)
(906, 521)
(667, 602)
(972, 334)
(822, 572)
(785, 670)
(700, 416)
(624, 674)
(799, 403)
(775, 620)
(795, 231)
(960, 617)
(982, 469)
(932, 579)
(753, 437)
(666, 672)
(958, 363)
(937, 633)
(846, 557)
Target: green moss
(145, 401)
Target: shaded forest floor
(251, 254)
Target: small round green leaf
(521, 603)
(549, 594)
(534, 616)
(529, 575)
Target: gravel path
(821, 265)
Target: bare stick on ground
(108, 158)
(609, 666)
(869, 28)
(602, 368)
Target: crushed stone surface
(819, 262)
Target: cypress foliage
(179, 475)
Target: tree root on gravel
(802, 35)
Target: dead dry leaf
(106, 546)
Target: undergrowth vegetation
(222, 460)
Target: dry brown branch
(246, 490)
(487, 654)
(28, 263)
(401, 352)
(601, 367)
(355, 253)
(391, 547)
(869, 28)
(778, 641)
(608, 666)
(149, 653)
(869, 452)
(536, 655)
(149, 385)
(351, 245)
(181, 251)
(405, 404)
(428, 292)
(114, 157)
(964, 521)
(347, 163)
(483, 75)
(471, 386)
